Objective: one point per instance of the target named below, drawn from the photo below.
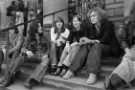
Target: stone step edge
(54, 79)
(105, 71)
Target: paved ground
(57, 83)
(19, 86)
(2, 88)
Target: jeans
(90, 56)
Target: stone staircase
(76, 82)
(108, 64)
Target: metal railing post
(53, 18)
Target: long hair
(79, 19)
(59, 19)
(101, 13)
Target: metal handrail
(49, 14)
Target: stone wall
(54, 5)
(115, 9)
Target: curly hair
(102, 13)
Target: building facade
(50, 6)
(116, 9)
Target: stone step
(106, 64)
(111, 61)
(73, 83)
(105, 71)
(76, 82)
(3, 88)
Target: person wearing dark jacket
(100, 40)
(32, 50)
(21, 5)
(36, 77)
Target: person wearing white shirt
(59, 35)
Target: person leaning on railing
(14, 49)
(34, 49)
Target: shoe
(30, 83)
(68, 75)
(92, 78)
(7, 82)
(63, 72)
(58, 71)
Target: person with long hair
(34, 49)
(36, 77)
(59, 34)
(100, 40)
(15, 44)
(71, 47)
(124, 73)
